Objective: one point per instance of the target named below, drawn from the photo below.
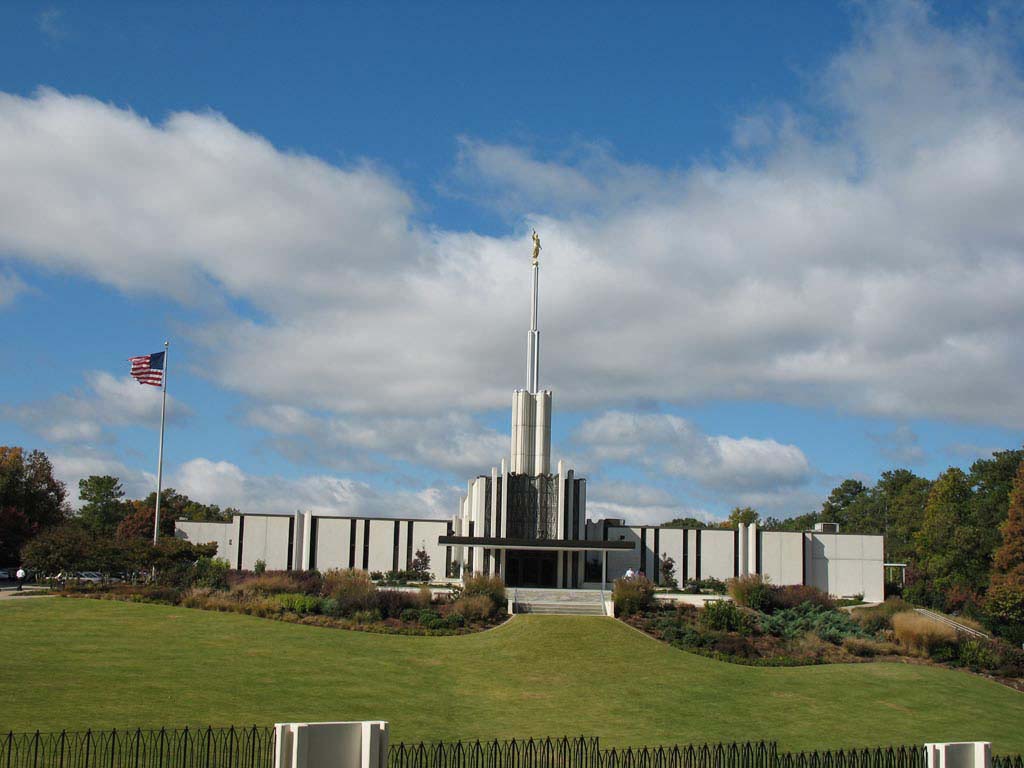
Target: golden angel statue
(536, 247)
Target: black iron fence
(232, 747)
(253, 747)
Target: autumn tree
(31, 499)
(1008, 563)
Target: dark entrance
(530, 568)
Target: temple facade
(528, 525)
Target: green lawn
(85, 663)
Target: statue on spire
(536, 247)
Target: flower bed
(343, 599)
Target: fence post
(357, 744)
(959, 754)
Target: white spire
(533, 337)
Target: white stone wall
(265, 537)
(846, 564)
(782, 557)
(221, 534)
(671, 545)
(333, 537)
(717, 554)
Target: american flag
(148, 369)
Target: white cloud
(226, 484)
(52, 24)
(69, 468)
(668, 444)
(451, 441)
(878, 269)
(900, 445)
(10, 286)
(638, 504)
(84, 417)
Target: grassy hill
(84, 663)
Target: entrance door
(528, 568)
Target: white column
(741, 544)
(306, 555)
(560, 530)
(504, 501)
(752, 548)
(558, 577)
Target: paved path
(12, 592)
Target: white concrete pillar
(560, 518)
(542, 433)
(504, 499)
(752, 548)
(307, 540)
(741, 543)
(959, 754)
(331, 745)
(558, 577)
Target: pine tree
(1008, 564)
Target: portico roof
(491, 542)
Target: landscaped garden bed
(767, 625)
(343, 599)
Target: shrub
(491, 586)
(474, 607)
(410, 615)
(792, 595)
(266, 584)
(879, 617)
(1004, 612)
(862, 646)
(632, 595)
(724, 616)
(829, 625)
(976, 654)
(393, 602)
(352, 589)
(367, 616)
(260, 568)
(424, 596)
(709, 586)
(300, 603)
(212, 572)
(921, 634)
(431, 619)
(376, 575)
(751, 592)
(668, 572)
(420, 566)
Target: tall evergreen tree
(103, 508)
(951, 548)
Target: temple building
(529, 526)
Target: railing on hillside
(253, 747)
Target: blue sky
(782, 245)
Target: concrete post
(959, 754)
(358, 744)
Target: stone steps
(561, 609)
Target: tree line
(960, 535)
(109, 533)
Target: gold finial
(536, 247)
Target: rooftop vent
(826, 527)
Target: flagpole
(160, 451)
